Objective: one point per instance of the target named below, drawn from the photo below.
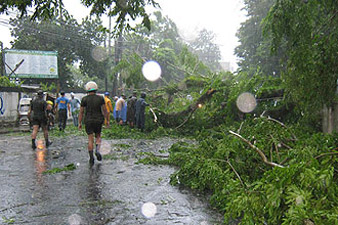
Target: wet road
(116, 191)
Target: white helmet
(91, 86)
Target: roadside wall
(9, 102)
(9, 105)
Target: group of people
(131, 111)
(94, 109)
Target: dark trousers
(140, 119)
(62, 118)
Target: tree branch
(260, 152)
(276, 147)
(324, 154)
(240, 127)
(233, 169)
(172, 117)
(187, 119)
(280, 123)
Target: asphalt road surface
(117, 190)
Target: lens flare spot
(189, 34)
(199, 105)
(99, 53)
(149, 210)
(246, 102)
(122, 3)
(151, 70)
(74, 219)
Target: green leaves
(68, 167)
(6, 82)
(73, 42)
(244, 188)
(306, 29)
(121, 9)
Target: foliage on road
(68, 167)
(268, 166)
(303, 185)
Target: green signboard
(31, 64)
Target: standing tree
(207, 51)
(309, 29)
(73, 42)
(93, 58)
(48, 36)
(163, 44)
(253, 49)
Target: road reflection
(40, 161)
(95, 205)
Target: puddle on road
(116, 191)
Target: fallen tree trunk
(178, 119)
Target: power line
(73, 37)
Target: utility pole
(109, 54)
(58, 84)
(117, 56)
(119, 52)
(3, 72)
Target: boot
(97, 153)
(48, 143)
(91, 157)
(33, 144)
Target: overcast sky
(222, 17)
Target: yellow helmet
(49, 102)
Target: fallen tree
(178, 119)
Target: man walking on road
(74, 108)
(94, 108)
(62, 104)
(39, 118)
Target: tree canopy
(163, 44)
(309, 31)
(74, 43)
(253, 49)
(122, 10)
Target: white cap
(91, 86)
(71, 93)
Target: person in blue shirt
(124, 111)
(114, 111)
(62, 104)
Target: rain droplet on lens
(74, 219)
(151, 70)
(99, 53)
(246, 102)
(189, 34)
(149, 210)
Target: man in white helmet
(94, 108)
